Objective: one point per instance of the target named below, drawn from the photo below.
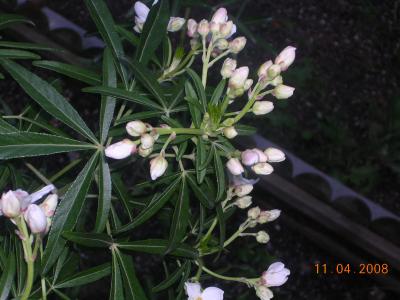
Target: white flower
(262, 107)
(141, 11)
(274, 71)
(238, 78)
(49, 205)
(283, 91)
(230, 132)
(220, 16)
(158, 166)
(203, 28)
(262, 168)
(274, 155)
(249, 157)
(268, 216)
(147, 141)
(145, 152)
(228, 67)
(36, 219)
(263, 70)
(121, 150)
(234, 166)
(194, 292)
(243, 202)
(226, 29)
(276, 275)
(10, 205)
(191, 27)
(136, 128)
(243, 190)
(264, 293)
(286, 57)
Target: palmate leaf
(67, 213)
(85, 277)
(47, 97)
(27, 144)
(153, 31)
(105, 24)
(158, 246)
(71, 71)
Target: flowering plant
(171, 123)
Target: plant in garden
(170, 122)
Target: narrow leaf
(216, 96)
(7, 277)
(104, 203)
(201, 93)
(5, 127)
(89, 239)
(7, 20)
(117, 287)
(17, 54)
(25, 46)
(85, 277)
(200, 159)
(194, 111)
(170, 280)
(199, 192)
(219, 175)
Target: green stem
(249, 104)
(223, 54)
(28, 258)
(228, 278)
(206, 60)
(43, 280)
(194, 131)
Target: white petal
(39, 194)
(233, 31)
(276, 267)
(212, 293)
(193, 290)
(141, 10)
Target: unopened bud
(222, 44)
(274, 155)
(158, 166)
(254, 212)
(214, 27)
(136, 128)
(247, 84)
(286, 57)
(261, 155)
(262, 107)
(226, 29)
(263, 70)
(121, 150)
(49, 205)
(243, 202)
(283, 91)
(36, 219)
(10, 205)
(274, 71)
(147, 141)
(268, 216)
(262, 168)
(145, 152)
(277, 80)
(204, 28)
(243, 190)
(262, 237)
(264, 293)
(195, 43)
(141, 11)
(191, 28)
(249, 157)
(238, 78)
(220, 16)
(234, 166)
(175, 24)
(237, 44)
(230, 132)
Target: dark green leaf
(47, 97)
(194, 111)
(25, 46)
(7, 20)
(17, 54)
(71, 71)
(245, 129)
(7, 277)
(104, 203)
(180, 218)
(153, 32)
(117, 287)
(200, 159)
(67, 213)
(219, 175)
(122, 193)
(105, 24)
(26, 144)
(222, 225)
(171, 279)
(127, 35)
(107, 102)
(216, 96)
(85, 277)
(201, 94)
(132, 96)
(153, 207)
(158, 246)
(89, 239)
(6, 127)
(199, 192)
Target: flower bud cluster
(142, 12)
(14, 204)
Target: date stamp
(351, 269)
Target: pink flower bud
(49, 205)
(136, 128)
(191, 28)
(175, 24)
(36, 219)
(268, 216)
(276, 275)
(147, 141)
(141, 11)
(286, 57)
(261, 155)
(10, 205)
(247, 84)
(234, 166)
(214, 27)
(237, 44)
(262, 168)
(283, 91)
(263, 70)
(249, 157)
(228, 67)
(262, 107)
(204, 28)
(238, 78)
(243, 190)
(230, 132)
(121, 150)
(158, 166)
(226, 29)
(220, 16)
(274, 155)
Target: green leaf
(26, 144)
(154, 30)
(29, 46)
(5, 127)
(105, 24)
(180, 218)
(200, 160)
(194, 111)
(222, 225)
(153, 207)
(67, 213)
(133, 288)
(139, 116)
(132, 96)
(122, 193)
(7, 20)
(216, 96)
(245, 129)
(48, 98)
(117, 287)
(85, 277)
(7, 277)
(107, 103)
(17, 54)
(219, 175)
(158, 246)
(104, 203)
(201, 93)
(127, 35)
(147, 78)
(170, 280)
(71, 71)
(89, 239)
(199, 192)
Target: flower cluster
(18, 203)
